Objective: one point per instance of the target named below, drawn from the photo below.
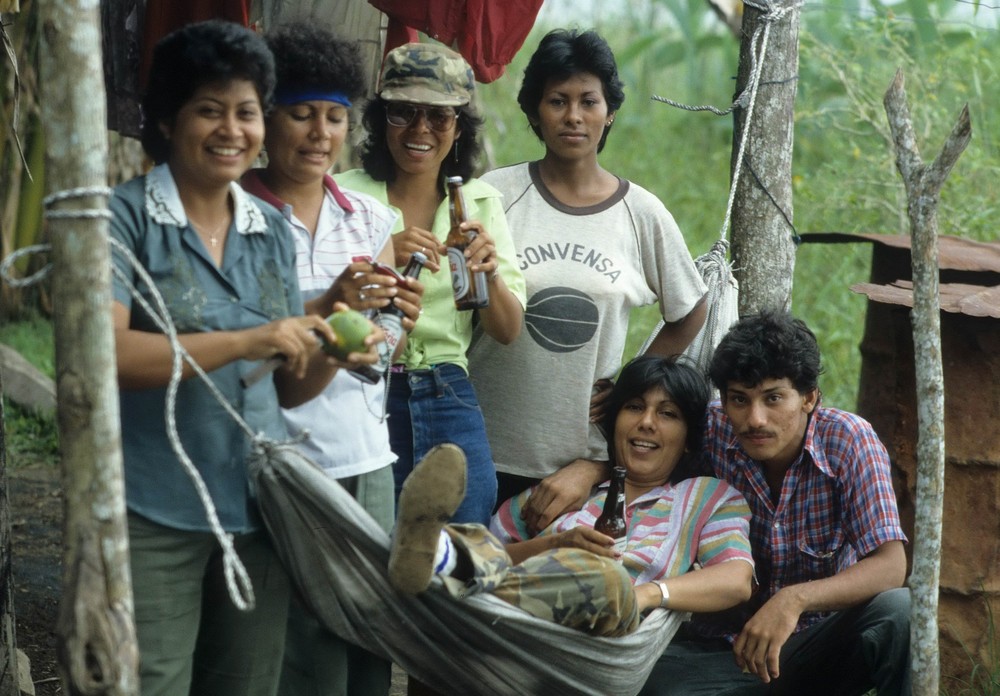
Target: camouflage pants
(571, 587)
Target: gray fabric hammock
(338, 558)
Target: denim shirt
(255, 284)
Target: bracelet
(664, 594)
(494, 275)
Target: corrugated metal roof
(955, 253)
(957, 298)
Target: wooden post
(96, 635)
(763, 249)
(8, 639)
(923, 188)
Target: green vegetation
(30, 436)
(844, 174)
(32, 338)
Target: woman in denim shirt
(224, 265)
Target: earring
(456, 152)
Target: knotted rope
(237, 579)
(747, 98)
(723, 292)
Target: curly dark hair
(686, 387)
(377, 160)
(192, 57)
(309, 56)
(768, 345)
(561, 54)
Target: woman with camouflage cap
(423, 128)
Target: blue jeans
(431, 407)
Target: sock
(445, 557)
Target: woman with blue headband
(338, 234)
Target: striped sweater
(671, 527)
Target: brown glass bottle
(612, 520)
(470, 289)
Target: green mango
(351, 328)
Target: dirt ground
(36, 518)
(36, 515)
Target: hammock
(722, 298)
(338, 557)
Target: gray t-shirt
(586, 269)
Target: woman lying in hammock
(682, 530)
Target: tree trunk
(923, 187)
(96, 636)
(8, 638)
(763, 246)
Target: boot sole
(431, 494)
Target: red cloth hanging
(163, 16)
(487, 33)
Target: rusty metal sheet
(957, 298)
(955, 253)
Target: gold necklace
(213, 237)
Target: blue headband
(297, 96)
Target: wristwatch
(664, 594)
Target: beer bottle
(612, 520)
(469, 288)
(391, 317)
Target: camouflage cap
(426, 74)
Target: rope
(716, 272)
(89, 214)
(770, 17)
(6, 268)
(80, 192)
(748, 97)
(237, 579)
(6, 273)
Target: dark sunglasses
(401, 115)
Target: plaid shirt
(836, 505)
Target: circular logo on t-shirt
(561, 320)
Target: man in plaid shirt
(830, 615)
